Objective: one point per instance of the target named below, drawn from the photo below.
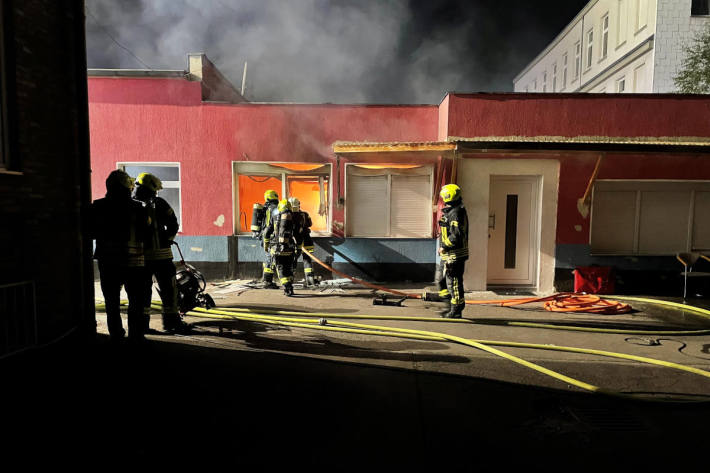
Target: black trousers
(307, 263)
(284, 268)
(268, 267)
(164, 272)
(451, 281)
(134, 279)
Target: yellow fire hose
(318, 321)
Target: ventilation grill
(18, 317)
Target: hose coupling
(322, 321)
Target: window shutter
(701, 223)
(411, 207)
(367, 206)
(663, 222)
(613, 221)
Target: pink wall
(163, 120)
(578, 115)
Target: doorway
(513, 231)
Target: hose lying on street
(560, 302)
(319, 321)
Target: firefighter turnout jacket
(281, 228)
(163, 228)
(302, 231)
(270, 210)
(119, 224)
(453, 239)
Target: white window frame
(262, 168)
(641, 15)
(590, 49)
(577, 59)
(639, 186)
(166, 184)
(637, 72)
(544, 81)
(554, 77)
(386, 199)
(622, 20)
(564, 71)
(604, 50)
(621, 85)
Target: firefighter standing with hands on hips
(261, 219)
(453, 248)
(283, 245)
(304, 243)
(158, 254)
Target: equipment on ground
(384, 299)
(191, 285)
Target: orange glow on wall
(388, 166)
(307, 190)
(298, 166)
(251, 191)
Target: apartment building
(618, 46)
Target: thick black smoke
(339, 51)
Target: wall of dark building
(46, 289)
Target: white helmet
(295, 204)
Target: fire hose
(560, 302)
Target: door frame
(534, 240)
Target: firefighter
(283, 245)
(262, 217)
(304, 243)
(453, 248)
(158, 254)
(119, 224)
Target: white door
(513, 233)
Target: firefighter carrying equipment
(283, 246)
(150, 181)
(259, 213)
(450, 193)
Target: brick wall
(41, 202)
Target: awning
(395, 149)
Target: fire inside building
(551, 182)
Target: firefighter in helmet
(453, 248)
(119, 224)
(302, 235)
(283, 245)
(158, 254)
(261, 220)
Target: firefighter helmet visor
(450, 193)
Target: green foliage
(694, 75)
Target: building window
(621, 85)
(554, 77)
(700, 7)
(387, 201)
(590, 47)
(564, 71)
(638, 78)
(641, 14)
(169, 175)
(309, 182)
(622, 19)
(544, 81)
(605, 36)
(650, 218)
(577, 58)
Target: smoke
(395, 51)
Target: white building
(618, 46)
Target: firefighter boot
(288, 289)
(268, 282)
(447, 306)
(310, 280)
(455, 312)
(173, 323)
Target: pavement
(258, 397)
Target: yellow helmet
(149, 181)
(271, 195)
(295, 203)
(284, 205)
(450, 193)
(119, 178)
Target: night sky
(336, 51)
